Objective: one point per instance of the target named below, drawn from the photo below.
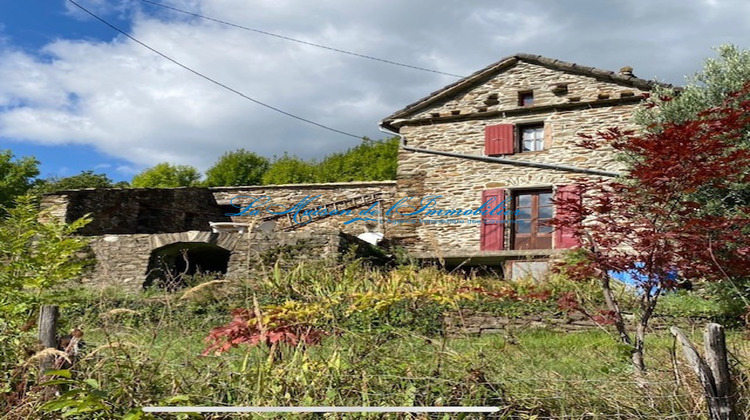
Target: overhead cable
(197, 73)
(325, 47)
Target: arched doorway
(169, 265)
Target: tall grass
(146, 349)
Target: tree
(237, 168)
(371, 160)
(16, 176)
(34, 258)
(728, 72)
(289, 170)
(86, 179)
(707, 88)
(164, 175)
(648, 223)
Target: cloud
(129, 103)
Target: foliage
(164, 175)
(84, 396)
(239, 167)
(648, 222)
(34, 258)
(289, 170)
(372, 160)
(142, 351)
(369, 161)
(16, 176)
(86, 179)
(720, 76)
(288, 324)
(310, 317)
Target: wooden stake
(716, 390)
(48, 316)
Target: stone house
(506, 134)
(480, 164)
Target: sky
(79, 96)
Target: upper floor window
(526, 98)
(507, 139)
(531, 138)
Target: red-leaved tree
(652, 222)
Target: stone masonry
(568, 99)
(129, 225)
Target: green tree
(727, 73)
(237, 168)
(371, 160)
(16, 176)
(34, 258)
(289, 170)
(86, 179)
(710, 87)
(164, 175)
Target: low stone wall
(479, 323)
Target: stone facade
(568, 100)
(131, 225)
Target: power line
(197, 73)
(382, 60)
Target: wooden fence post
(48, 331)
(716, 390)
(716, 359)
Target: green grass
(145, 349)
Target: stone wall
(501, 92)
(136, 210)
(123, 260)
(478, 323)
(460, 182)
(289, 195)
(130, 224)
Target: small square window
(531, 138)
(526, 98)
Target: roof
(488, 72)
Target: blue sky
(78, 96)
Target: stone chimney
(627, 71)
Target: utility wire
(382, 60)
(197, 73)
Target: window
(531, 138)
(526, 98)
(506, 139)
(532, 210)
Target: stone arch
(168, 265)
(176, 255)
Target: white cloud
(132, 104)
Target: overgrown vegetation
(382, 346)
(680, 210)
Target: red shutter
(493, 228)
(566, 195)
(498, 139)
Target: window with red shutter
(499, 139)
(564, 238)
(492, 236)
